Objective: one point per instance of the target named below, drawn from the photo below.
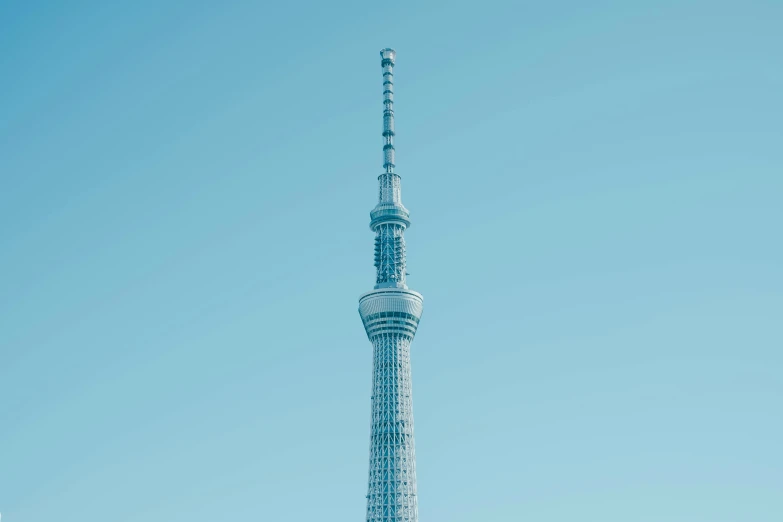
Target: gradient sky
(596, 195)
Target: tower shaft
(391, 314)
(391, 317)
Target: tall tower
(391, 314)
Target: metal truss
(390, 253)
(391, 493)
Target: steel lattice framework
(391, 314)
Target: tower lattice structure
(391, 314)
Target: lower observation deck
(391, 311)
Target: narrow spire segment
(387, 62)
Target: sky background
(595, 190)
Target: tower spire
(387, 62)
(389, 218)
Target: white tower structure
(391, 314)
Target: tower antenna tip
(388, 54)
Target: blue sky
(595, 190)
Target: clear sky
(595, 190)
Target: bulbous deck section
(391, 311)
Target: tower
(391, 313)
